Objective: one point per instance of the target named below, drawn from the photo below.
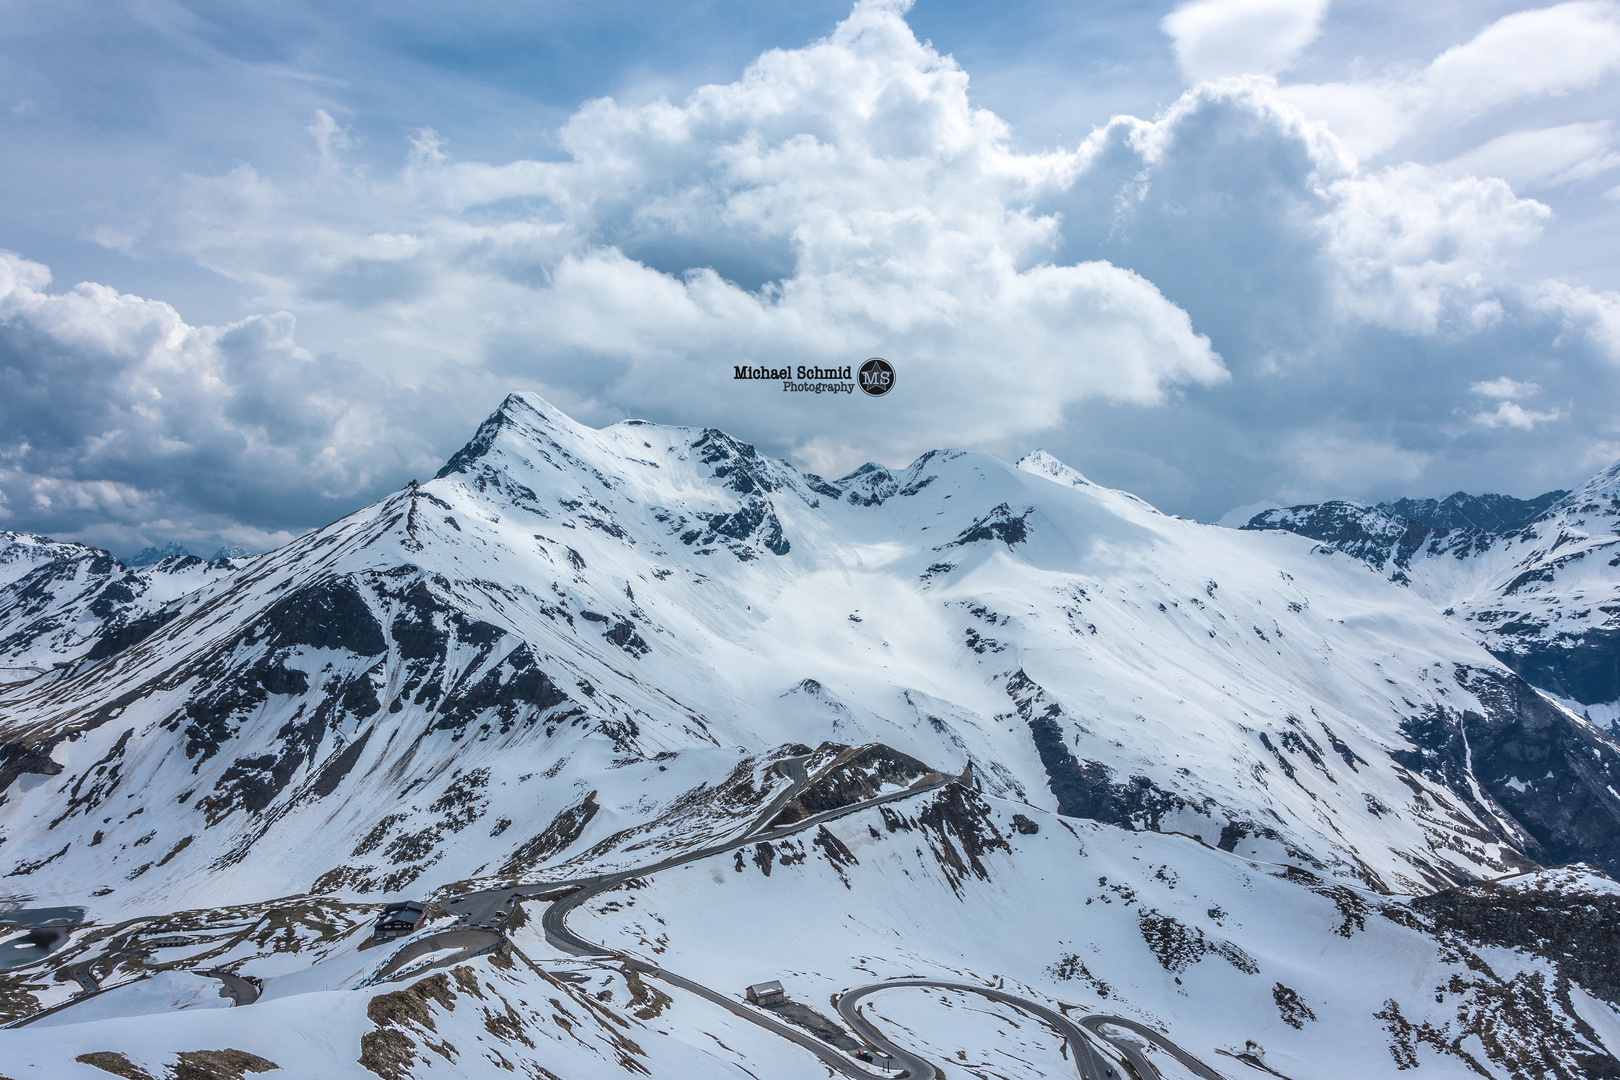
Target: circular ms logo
(877, 377)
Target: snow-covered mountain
(661, 590)
(578, 651)
(1543, 596)
(1460, 510)
(63, 602)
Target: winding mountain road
(467, 943)
(241, 991)
(555, 918)
(1095, 1022)
(1088, 1063)
(483, 913)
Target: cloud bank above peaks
(119, 422)
(838, 201)
(1524, 56)
(1219, 303)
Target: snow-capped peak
(1044, 464)
(1600, 493)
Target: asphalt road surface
(1093, 1023)
(117, 948)
(469, 942)
(239, 990)
(481, 915)
(555, 918)
(1088, 1064)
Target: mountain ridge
(612, 670)
(1543, 597)
(426, 619)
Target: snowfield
(1209, 779)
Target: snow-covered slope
(61, 603)
(1242, 963)
(1217, 951)
(370, 702)
(581, 651)
(1543, 597)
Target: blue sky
(1220, 252)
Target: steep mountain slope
(1460, 510)
(1544, 598)
(61, 602)
(577, 653)
(417, 691)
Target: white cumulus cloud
(1216, 38)
(1520, 57)
(1508, 412)
(1504, 388)
(837, 201)
(1513, 415)
(1542, 157)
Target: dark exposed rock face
(1178, 946)
(1554, 777)
(16, 759)
(340, 766)
(484, 438)
(959, 829)
(999, 524)
(1582, 666)
(862, 776)
(869, 485)
(1374, 535)
(329, 615)
(873, 485)
(566, 828)
(1459, 510)
(1552, 914)
(118, 638)
(1086, 789)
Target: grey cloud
(1342, 384)
(123, 425)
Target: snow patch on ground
(165, 992)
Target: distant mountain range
(148, 556)
(1535, 580)
(1490, 513)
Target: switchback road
(1094, 1023)
(1088, 1064)
(482, 914)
